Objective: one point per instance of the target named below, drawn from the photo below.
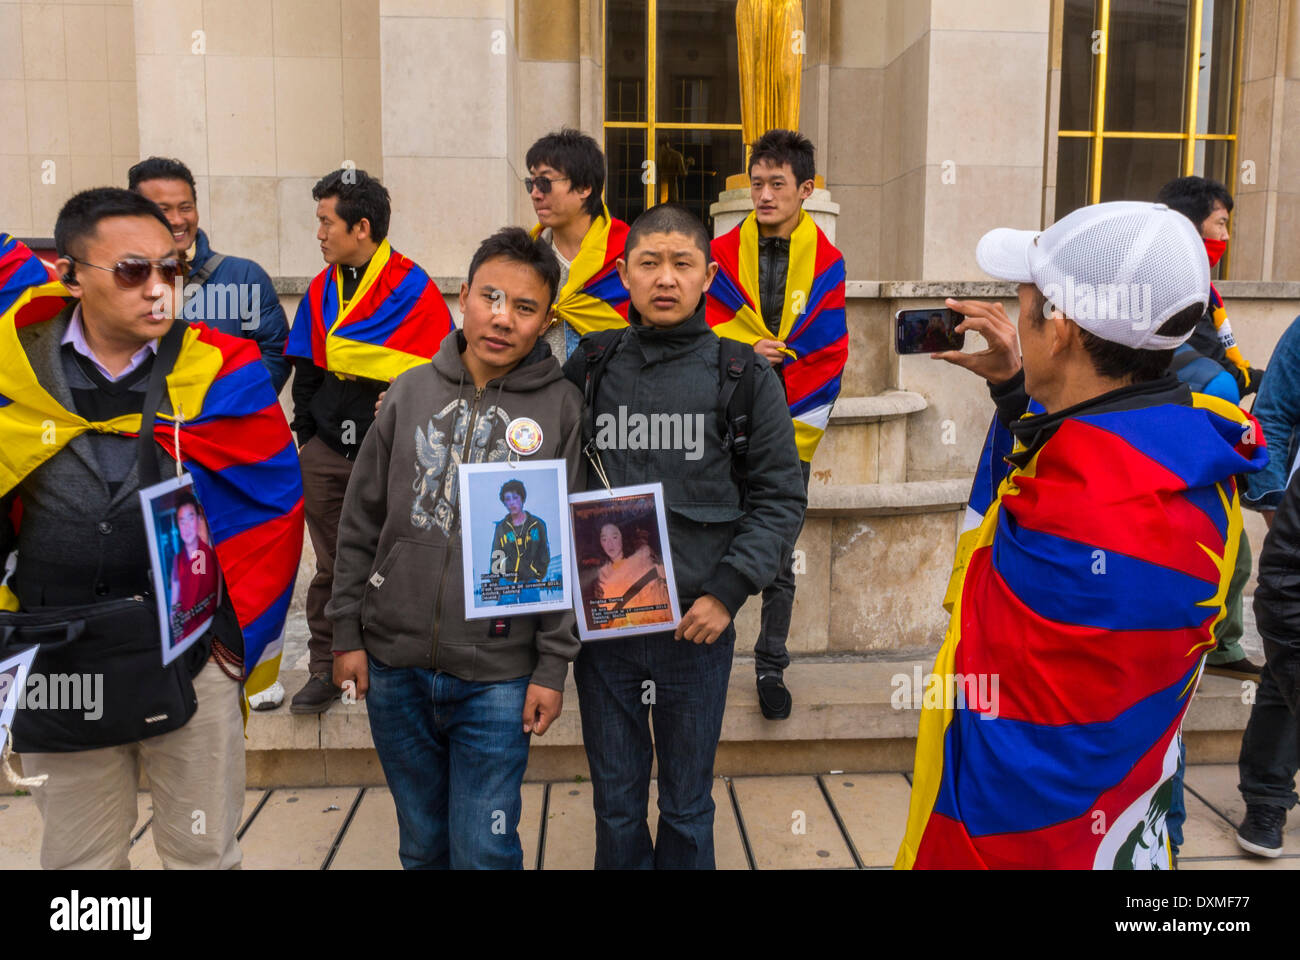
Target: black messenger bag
(97, 679)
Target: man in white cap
(1087, 596)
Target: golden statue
(771, 42)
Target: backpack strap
(202, 275)
(736, 405)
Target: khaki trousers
(196, 775)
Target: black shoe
(315, 696)
(773, 698)
(1241, 669)
(1261, 832)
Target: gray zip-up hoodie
(397, 573)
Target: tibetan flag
(21, 269)
(233, 439)
(593, 297)
(813, 326)
(395, 320)
(1082, 609)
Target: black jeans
(770, 655)
(1270, 752)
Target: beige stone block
(241, 117)
(124, 129)
(1260, 54)
(469, 116)
(548, 29)
(16, 197)
(307, 28)
(370, 842)
(847, 454)
(170, 117)
(906, 562)
(299, 249)
(167, 27)
(1026, 16)
(570, 828)
(1255, 135)
(905, 108)
(789, 825)
(308, 115)
(809, 620)
(443, 208)
(296, 828)
(465, 9)
(11, 43)
(47, 117)
(119, 39)
(50, 176)
(1286, 254)
(870, 367)
(958, 213)
(1217, 784)
(892, 458)
(362, 113)
(92, 171)
(857, 234)
(906, 22)
(238, 28)
(85, 35)
(361, 29)
(1289, 163)
(532, 797)
(13, 107)
(987, 117)
(873, 808)
(122, 165)
(22, 827)
(902, 227)
(852, 153)
(1249, 220)
(88, 117)
(244, 221)
(43, 49)
(857, 34)
(548, 96)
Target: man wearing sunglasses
(74, 454)
(230, 294)
(566, 177)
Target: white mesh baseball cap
(1119, 270)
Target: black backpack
(735, 395)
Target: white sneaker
(268, 699)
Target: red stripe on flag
(220, 443)
(809, 374)
(260, 563)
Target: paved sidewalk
(831, 821)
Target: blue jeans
(453, 753)
(624, 685)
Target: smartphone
(931, 330)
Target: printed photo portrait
(514, 536)
(624, 567)
(186, 575)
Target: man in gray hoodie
(451, 701)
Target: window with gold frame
(688, 108)
(1149, 92)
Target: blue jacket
(1277, 408)
(240, 299)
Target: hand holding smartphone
(929, 330)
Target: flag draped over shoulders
(233, 439)
(394, 321)
(1084, 602)
(593, 297)
(813, 325)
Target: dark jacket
(1277, 597)
(239, 299)
(339, 410)
(398, 571)
(717, 548)
(773, 266)
(526, 552)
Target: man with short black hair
(234, 294)
(369, 316)
(1088, 595)
(566, 180)
(780, 287)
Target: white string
(176, 436)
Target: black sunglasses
(133, 271)
(542, 183)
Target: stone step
(849, 714)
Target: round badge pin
(524, 436)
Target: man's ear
(1064, 332)
(67, 273)
(806, 189)
(464, 298)
(710, 272)
(583, 192)
(361, 228)
(621, 264)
